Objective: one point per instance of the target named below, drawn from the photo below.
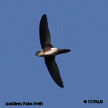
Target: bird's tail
(60, 51)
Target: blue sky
(81, 25)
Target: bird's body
(49, 52)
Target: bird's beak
(36, 53)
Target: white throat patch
(54, 49)
(50, 52)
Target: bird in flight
(49, 52)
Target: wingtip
(43, 19)
(62, 86)
(44, 15)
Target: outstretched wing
(53, 70)
(44, 33)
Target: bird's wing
(45, 39)
(53, 70)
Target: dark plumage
(45, 38)
(48, 52)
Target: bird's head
(38, 53)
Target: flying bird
(49, 52)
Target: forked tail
(60, 51)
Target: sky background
(80, 25)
